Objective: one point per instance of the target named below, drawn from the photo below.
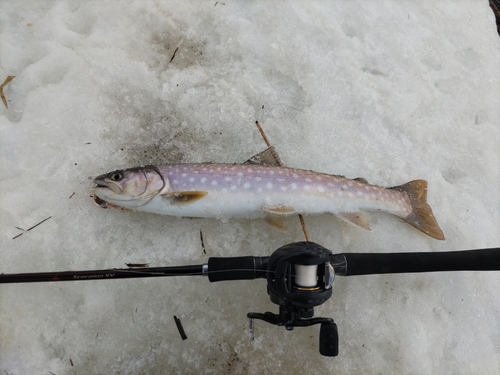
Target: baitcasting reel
(300, 277)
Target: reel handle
(329, 339)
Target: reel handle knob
(329, 339)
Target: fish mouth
(100, 184)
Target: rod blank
(109, 274)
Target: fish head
(129, 188)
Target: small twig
(71, 362)
(7, 80)
(27, 230)
(263, 134)
(41, 222)
(71, 196)
(180, 328)
(137, 265)
(173, 55)
(202, 242)
(304, 228)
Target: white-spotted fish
(259, 188)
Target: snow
(390, 91)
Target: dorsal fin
(267, 157)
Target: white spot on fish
(258, 178)
(247, 185)
(203, 180)
(269, 185)
(233, 187)
(321, 189)
(350, 194)
(240, 173)
(191, 179)
(295, 175)
(308, 179)
(344, 187)
(184, 174)
(271, 172)
(283, 188)
(224, 190)
(307, 187)
(214, 183)
(176, 181)
(228, 179)
(318, 178)
(359, 193)
(259, 190)
(294, 186)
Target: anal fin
(359, 219)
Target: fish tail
(421, 216)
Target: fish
(260, 188)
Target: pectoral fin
(267, 157)
(358, 219)
(181, 197)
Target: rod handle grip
(237, 268)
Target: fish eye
(116, 176)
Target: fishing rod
(299, 277)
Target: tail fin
(421, 216)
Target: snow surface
(387, 90)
